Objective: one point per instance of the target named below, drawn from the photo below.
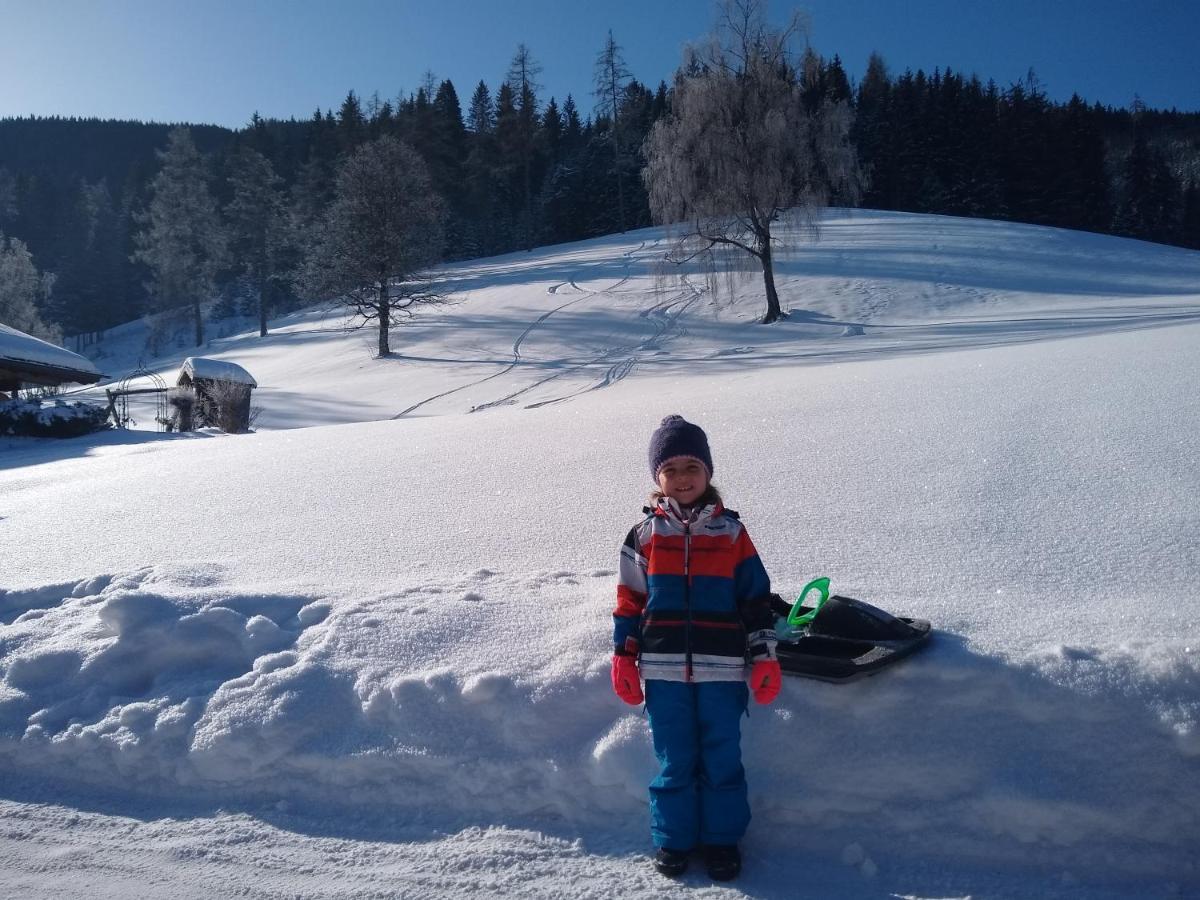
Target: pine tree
(508, 171)
(258, 227)
(522, 81)
(871, 133)
(1147, 190)
(572, 127)
(662, 102)
(611, 77)
(8, 198)
(352, 125)
(181, 239)
(1189, 232)
(445, 155)
(88, 283)
(1082, 193)
(481, 118)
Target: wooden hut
(26, 360)
(212, 393)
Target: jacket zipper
(687, 594)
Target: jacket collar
(669, 508)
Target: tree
(89, 288)
(738, 149)
(380, 235)
(611, 76)
(1190, 236)
(480, 117)
(182, 240)
(260, 236)
(522, 75)
(352, 124)
(8, 197)
(23, 290)
(1147, 188)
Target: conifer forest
(510, 169)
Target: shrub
(50, 418)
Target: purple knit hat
(678, 437)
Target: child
(692, 606)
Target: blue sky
(218, 61)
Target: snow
(21, 347)
(371, 657)
(197, 367)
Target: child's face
(683, 480)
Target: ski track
(516, 347)
(663, 320)
(516, 351)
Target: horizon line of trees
(86, 207)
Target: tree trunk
(617, 170)
(773, 311)
(199, 322)
(263, 286)
(385, 316)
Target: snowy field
(364, 651)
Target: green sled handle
(798, 619)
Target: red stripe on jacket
(629, 601)
(709, 555)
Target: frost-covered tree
(259, 226)
(23, 290)
(739, 150)
(380, 235)
(182, 239)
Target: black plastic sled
(847, 640)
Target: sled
(841, 639)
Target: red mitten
(625, 679)
(765, 680)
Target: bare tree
(611, 77)
(379, 237)
(740, 149)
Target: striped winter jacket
(692, 596)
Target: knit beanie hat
(678, 437)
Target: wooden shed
(26, 360)
(212, 393)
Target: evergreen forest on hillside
(513, 169)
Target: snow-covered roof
(24, 350)
(197, 367)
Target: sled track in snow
(611, 377)
(516, 351)
(667, 327)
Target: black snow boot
(724, 861)
(671, 863)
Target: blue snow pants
(699, 796)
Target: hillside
(365, 650)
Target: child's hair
(710, 495)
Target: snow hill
(364, 651)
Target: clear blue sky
(218, 61)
